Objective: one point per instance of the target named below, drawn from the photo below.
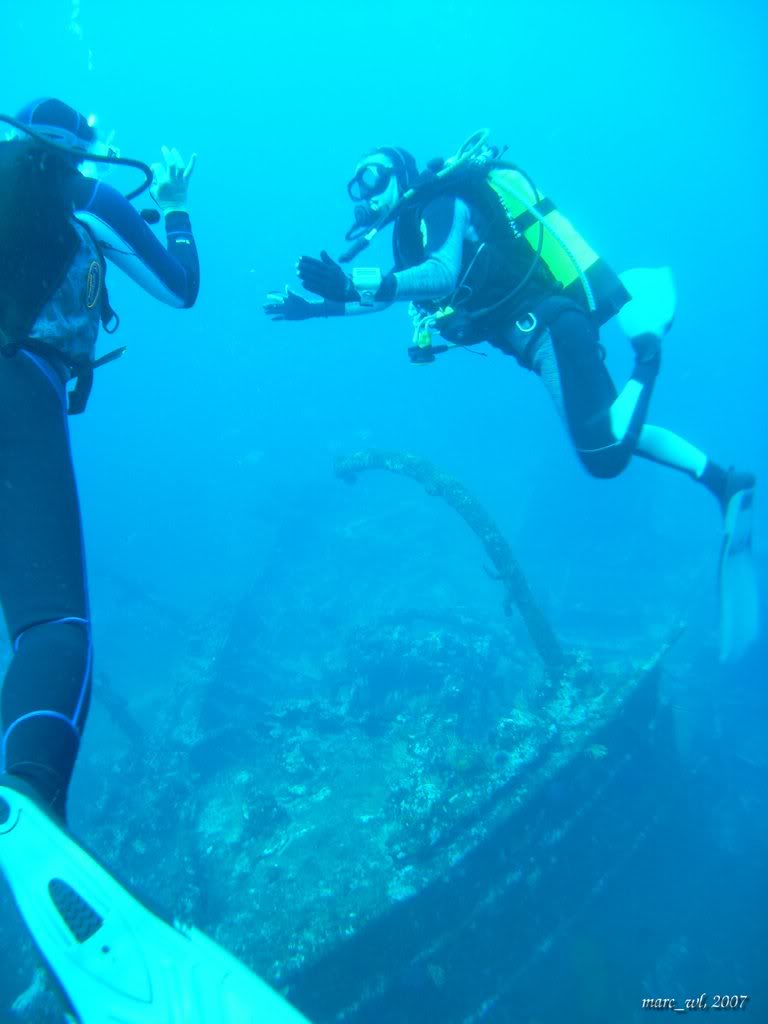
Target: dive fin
(652, 306)
(116, 961)
(739, 604)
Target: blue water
(205, 458)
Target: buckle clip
(527, 324)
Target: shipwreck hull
(375, 861)
(359, 918)
(476, 941)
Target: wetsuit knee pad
(66, 642)
(606, 464)
(51, 669)
(45, 703)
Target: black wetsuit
(43, 586)
(556, 338)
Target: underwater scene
(421, 645)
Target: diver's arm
(287, 305)
(446, 222)
(171, 274)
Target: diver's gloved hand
(171, 182)
(290, 306)
(326, 278)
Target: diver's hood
(406, 172)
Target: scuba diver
(481, 254)
(112, 957)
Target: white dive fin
(116, 960)
(739, 604)
(652, 306)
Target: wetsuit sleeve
(445, 224)
(171, 274)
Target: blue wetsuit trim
(171, 274)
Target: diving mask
(369, 181)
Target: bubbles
(74, 20)
(75, 27)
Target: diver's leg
(604, 425)
(668, 449)
(112, 957)
(42, 583)
(607, 429)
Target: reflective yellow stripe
(563, 249)
(508, 186)
(560, 257)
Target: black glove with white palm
(288, 305)
(324, 277)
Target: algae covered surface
(294, 825)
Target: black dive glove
(289, 306)
(326, 278)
